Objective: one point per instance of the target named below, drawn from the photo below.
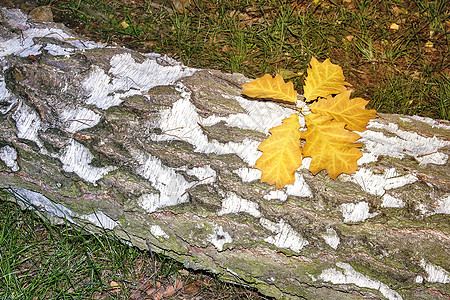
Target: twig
(37, 42)
(151, 255)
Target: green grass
(392, 68)
(43, 261)
(40, 261)
(268, 36)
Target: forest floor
(395, 53)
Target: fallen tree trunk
(141, 145)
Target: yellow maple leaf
(330, 146)
(323, 79)
(281, 153)
(341, 108)
(269, 87)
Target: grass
(268, 36)
(43, 261)
(404, 70)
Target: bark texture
(141, 145)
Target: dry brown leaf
(115, 286)
(137, 295)
(150, 291)
(170, 291)
(179, 285)
(159, 294)
(193, 288)
(184, 272)
(148, 287)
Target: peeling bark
(150, 149)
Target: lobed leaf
(281, 153)
(323, 79)
(270, 87)
(327, 141)
(330, 146)
(341, 108)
